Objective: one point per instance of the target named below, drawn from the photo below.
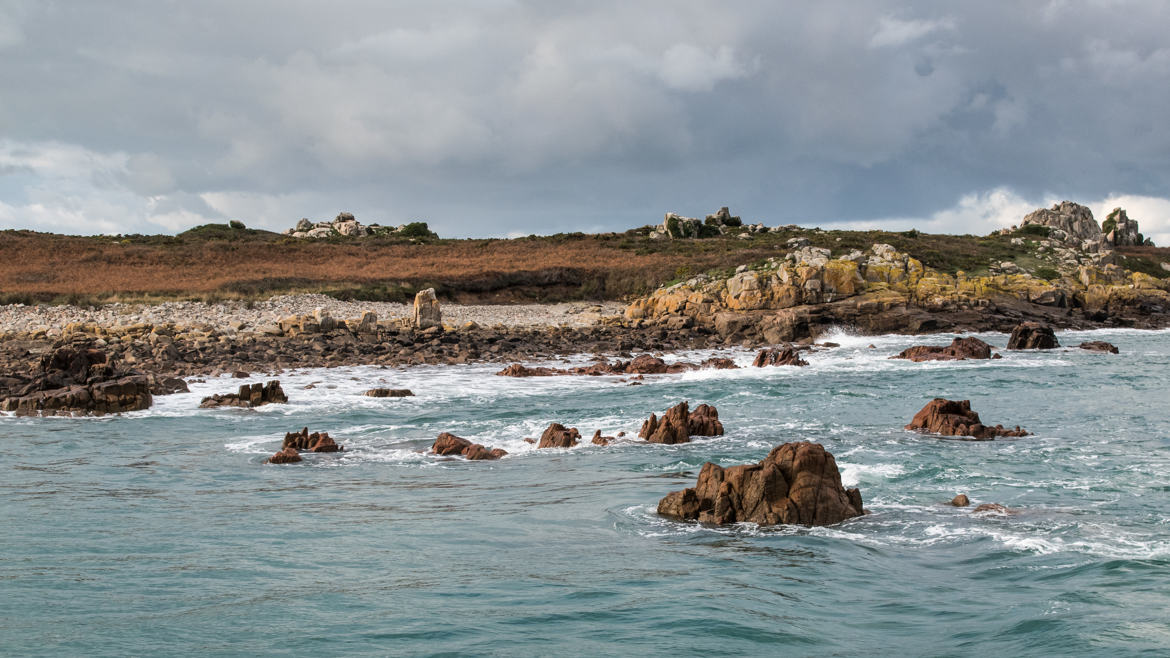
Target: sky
(504, 118)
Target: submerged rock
(286, 455)
(559, 436)
(955, 418)
(993, 508)
(1099, 346)
(960, 349)
(778, 356)
(448, 445)
(797, 483)
(249, 395)
(679, 424)
(1032, 336)
(389, 393)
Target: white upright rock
(426, 310)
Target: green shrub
(417, 230)
(1046, 273)
(236, 224)
(1033, 229)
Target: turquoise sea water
(162, 533)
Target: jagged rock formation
(778, 356)
(345, 224)
(448, 444)
(1067, 222)
(955, 418)
(797, 483)
(77, 381)
(1032, 336)
(559, 436)
(249, 395)
(679, 424)
(959, 350)
(315, 442)
(1121, 231)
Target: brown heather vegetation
(215, 262)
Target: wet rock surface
(559, 436)
(644, 364)
(315, 442)
(249, 395)
(679, 424)
(1032, 336)
(956, 418)
(778, 356)
(286, 455)
(797, 483)
(76, 380)
(960, 349)
(1099, 346)
(449, 445)
(389, 393)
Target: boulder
(955, 418)
(599, 440)
(1099, 346)
(249, 395)
(960, 349)
(778, 356)
(389, 393)
(288, 455)
(448, 445)
(961, 500)
(559, 436)
(315, 442)
(679, 424)
(1032, 336)
(797, 483)
(1075, 220)
(426, 310)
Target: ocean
(162, 532)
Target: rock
(676, 226)
(778, 356)
(641, 365)
(315, 442)
(241, 374)
(1121, 231)
(448, 444)
(249, 395)
(1032, 336)
(961, 500)
(955, 418)
(389, 393)
(559, 436)
(1099, 346)
(78, 381)
(426, 310)
(1075, 220)
(304, 225)
(284, 456)
(719, 363)
(599, 440)
(797, 483)
(679, 424)
(167, 385)
(993, 508)
(960, 349)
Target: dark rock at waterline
(167, 385)
(249, 395)
(960, 349)
(559, 436)
(448, 445)
(778, 356)
(641, 365)
(679, 424)
(389, 393)
(993, 508)
(315, 442)
(77, 380)
(955, 418)
(1032, 336)
(1099, 346)
(599, 440)
(797, 483)
(961, 500)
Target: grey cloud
(491, 117)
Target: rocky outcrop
(161, 385)
(559, 436)
(1032, 336)
(346, 225)
(449, 445)
(599, 440)
(679, 424)
(1099, 346)
(778, 356)
(426, 310)
(797, 483)
(955, 418)
(286, 455)
(315, 442)
(960, 349)
(249, 395)
(1121, 231)
(389, 393)
(640, 365)
(1069, 221)
(77, 381)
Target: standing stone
(426, 310)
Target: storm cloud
(504, 117)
